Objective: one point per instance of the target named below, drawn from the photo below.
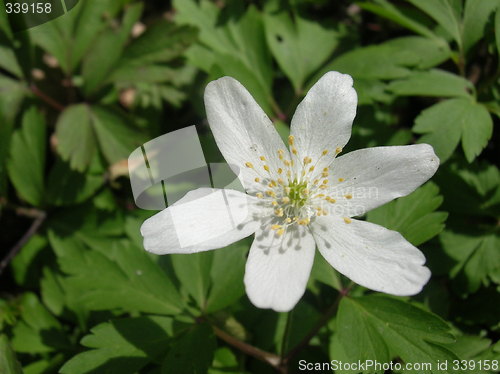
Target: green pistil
(297, 196)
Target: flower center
(296, 192)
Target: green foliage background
(79, 93)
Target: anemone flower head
(301, 196)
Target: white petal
(242, 130)
(323, 120)
(374, 176)
(371, 255)
(202, 220)
(278, 268)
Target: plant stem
(33, 229)
(47, 99)
(270, 358)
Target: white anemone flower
(301, 197)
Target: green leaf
(192, 353)
(470, 346)
(442, 12)
(193, 272)
(8, 360)
(5, 136)
(106, 51)
(414, 216)
(381, 328)
(323, 272)
(114, 274)
(226, 275)
(475, 186)
(81, 127)
(116, 136)
(75, 136)
(8, 61)
(385, 9)
(160, 43)
(27, 157)
(237, 43)
(99, 63)
(50, 37)
(123, 346)
(225, 362)
(89, 23)
(214, 279)
(13, 93)
(476, 255)
(392, 59)
(39, 331)
(66, 186)
(497, 30)
(300, 46)
(433, 82)
(363, 342)
(26, 265)
(48, 364)
(445, 123)
(476, 16)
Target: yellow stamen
(280, 232)
(325, 181)
(291, 140)
(341, 179)
(348, 196)
(338, 150)
(347, 220)
(325, 152)
(311, 169)
(307, 160)
(294, 150)
(280, 170)
(271, 193)
(276, 227)
(257, 180)
(249, 165)
(285, 200)
(259, 195)
(262, 158)
(266, 168)
(274, 203)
